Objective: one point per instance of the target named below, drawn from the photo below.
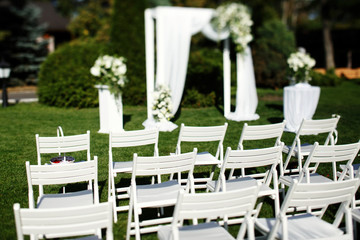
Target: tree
(330, 14)
(23, 45)
(92, 21)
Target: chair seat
(72, 199)
(355, 166)
(160, 194)
(314, 178)
(208, 231)
(123, 167)
(304, 226)
(356, 214)
(86, 238)
(206, 158)
(305, 149)
(241, 183)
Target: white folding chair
(160, 194)
(64, 222)
(266, 134)
(329, 154)
(299, 150)
(204, 135)
(259, 166)
(306, 225)
(211, 207)
(45, 175)
(126, 139)
(62, 144)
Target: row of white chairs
(138, 138)
(163, 194)
(215, 158)
(84, 220)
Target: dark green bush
(65, 79)
(204, 74)
(127, 39)
(327, 79)
(273, 45)
(195, 99)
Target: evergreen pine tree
(28, 49)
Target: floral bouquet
(111, 71)
(300, 64)
(236, 18)
(162, 105)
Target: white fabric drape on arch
(174, 28)
(246, 96)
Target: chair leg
(355, 229)
(137, 223)
(113, 193)
(131, 207)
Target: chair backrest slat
(202, 134)
(320, 194)
(259, 132)
(335, 154)
(158, 165)
(64, 222)
(62, 173)
(318, 126)
(217, 204)
(134, 138)
(235, 159)
(63, 144)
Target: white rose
(95, 71)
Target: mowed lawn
(20, 123)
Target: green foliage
(92, 21)
(27, 51)
(195, 99)
(65, 79)
(272, 48)
(127, 39)
(205, 75)
(327, 79)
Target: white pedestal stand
(111, 111)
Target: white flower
(162, 105)
(95, 71)
(110, 71)
(236, 18)
(300, 63)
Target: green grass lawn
(20, 123)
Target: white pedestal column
(111, 111)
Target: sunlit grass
(20, 123)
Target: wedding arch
(174, 28)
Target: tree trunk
(326, 27)
(328, 45)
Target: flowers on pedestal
(162, 104)
(300, 64)
(111, 71)
(236, 18)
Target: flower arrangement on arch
(162, 104)
(300, 63)
(111, 71)
(236, 18)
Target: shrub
(65, 79)
(327, 79)
(195, 99)
(272, 47)
(205, 75)
(127, 39)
